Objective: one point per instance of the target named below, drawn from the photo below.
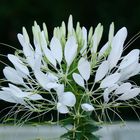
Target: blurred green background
(17, 13)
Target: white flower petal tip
(102, 71)
(78, 79)
(110, 80)
(67, 98)
(70, 50)
(62, 108)
(84, 68)
(87, 107)
(56, 49)
(130, 94)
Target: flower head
(71, 72)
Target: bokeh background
(17, 13)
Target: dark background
(17, 13)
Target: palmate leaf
(85, 130)
(79, 136)
(88, 126)
(92, 136)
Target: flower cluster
(71, 72)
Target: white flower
(47, 81)
(27, 49)
(62, 108)
(12, 75)
(18, 64)
(65, 100)
(14, 94)
(68, 69)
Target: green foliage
(82, 129)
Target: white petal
(41, 78)
(103, 50)
(107, 91)
(70, 50)
(16, 91)
(56, 49)
(78, 79)
(102, 71)
(130, 58)
(49, 55)
(37, 55)
(127, 72)
(111, 32)
(7, 97)
(62, 108)
(110, 80)
(51, 85)
(117, 47)
(84, 33)
(12, 75)
(25, 35)
(34, 97)
(129, 95)
(18, 64)
(67, 98)
(60, 89)
(70, 25)
(87, 107)
(84, 68)
(46, 51)
(51, 77)
(13, 93)
(97, 37)
(125, 87)
(27, 49)
(37, 62)
(106, 95)
(136, 71)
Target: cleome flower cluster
(71, 72)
